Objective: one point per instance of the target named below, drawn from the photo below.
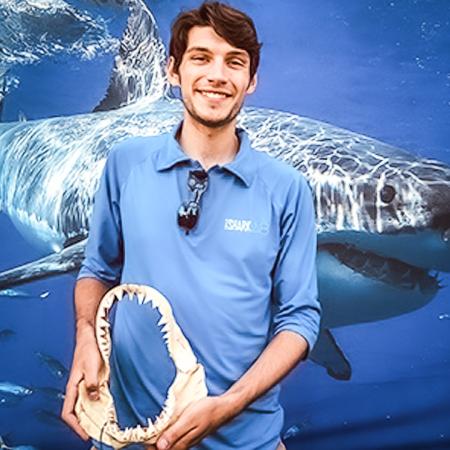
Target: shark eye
(387, 193)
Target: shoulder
(289, 190)
(280, 178)
(131, 152)
(135, 149)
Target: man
(226, 233)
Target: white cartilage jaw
(188, 385)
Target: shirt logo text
(245, 226)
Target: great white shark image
(34, 30)
(383, 214)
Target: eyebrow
(241, 53)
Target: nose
(216, 71)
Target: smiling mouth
(213, 94)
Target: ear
(252, 85)
(172, 76)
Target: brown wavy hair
(236, 27)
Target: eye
(199, 58)
(387, 193)
(237, 62)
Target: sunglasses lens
(189, 212)
(188, 215)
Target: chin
(214, 122)
(211, 118)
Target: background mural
(77, 75)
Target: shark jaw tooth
(109, 300)
(151, 297)
(163, 321)
(140, 297)
(166, 335)
(103, 323)
(148, 299)
(119, 293)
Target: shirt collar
(241, 166)
(172, 153)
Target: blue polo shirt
(244, 273)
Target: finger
(68, 414)
(174, 433)
(188, 440)
(91, 376)
(69, 399)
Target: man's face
(214, 78)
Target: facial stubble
(235, 110)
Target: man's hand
(197, 421)
(202, 418)
(87, 363)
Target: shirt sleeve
(104, 250)
(295, 295)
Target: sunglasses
(189, 212)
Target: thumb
(163, 443)
(91, 382)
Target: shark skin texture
(382, 213)
(98, 418)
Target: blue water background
(380, 68)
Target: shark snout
(441, 224)
(439, 206)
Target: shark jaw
(99, 418)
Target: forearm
(280, 356)
(88, 294)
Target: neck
(208, 146)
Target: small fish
(18, 447)
(51, 393)
(20, 293)
(7, 400)
(11, 393)
(6, 334)
(14, 293)
(14, 389)
(55, 367)
(49, 417)
(295, 430)
(291, 432)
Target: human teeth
(213, 94)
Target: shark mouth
(384, 269)
(98, 417)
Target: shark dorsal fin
(139, 68)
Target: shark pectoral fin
(67, 260)
(327, 354)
